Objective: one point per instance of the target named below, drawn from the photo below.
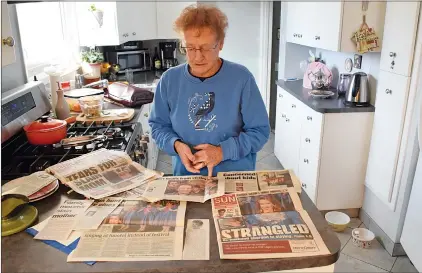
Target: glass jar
(343, 83)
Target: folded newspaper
(102, 173)
(184, 188)
(265, 224)
(259, 180)
(28, 185)
(136, 231)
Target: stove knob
(140, 154)
(143, 144)
(145, 138)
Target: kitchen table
(21, 253)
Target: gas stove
(20, 158)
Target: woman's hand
(208, 155)
(185, 155)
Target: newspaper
(184, 188)
(28, 185)
(197, 241)
(96, 213)
(136, 231)
(61, 223)
(259, 180)
(265, 224)
(102, 173)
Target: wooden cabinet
(328, 152)
(401, 22)
(7, 49)
(330, 25)
(167, 12)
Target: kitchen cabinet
(328, 152)
(167, 12)
(132, 25)
(330, 25)
(7, 46)
(401, 22)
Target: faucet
(102, 83)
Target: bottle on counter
(157, 61)
(62, 108)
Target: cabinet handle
(283, 115)
(280, 95)
(304, 185)
(393, 54)
(133, 33)
(300, 35)
(392, 64)
(307, 140)
(317, 38)
(287, 120)
(309, 118)
(146, 114)
(306, 161)
(388, 91)
(9, 41)
(294, 35)
(293, 106)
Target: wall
(370, 65)
(14, 74)
(274, 61)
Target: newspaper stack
(265, 224)
(102, 173)
(259, 180)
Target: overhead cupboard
(331, 25)
(126, 21)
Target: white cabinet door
(325, 31)
(280, 127)
(7, 51)
(137, 20)
(299, 18)
(401, 20)
(390, 109)
(293, 128)
(90, 32)
(167, 13)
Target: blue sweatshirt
(226, 109)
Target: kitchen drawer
(308, 170)
(311, 192)
(312, 120)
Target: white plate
(321, 94)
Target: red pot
(46, 131)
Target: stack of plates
(44, 192)
(321, 94)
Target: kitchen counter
(330, 105)
(24, 254)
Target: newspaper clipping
(102, 173)
(197, 241)
(259, 180)
(96, 213)
(184, 188)
(63, 220)
(136, 231)
(268, 224)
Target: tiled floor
(352, 258)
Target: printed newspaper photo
(266, 224)
(136, 231)
(259, 180)
(184, 188)
(102, 173)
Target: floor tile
(164, 167)
(348, 264)
(403, 264)
(344, 236)
(269, 146)
(261, 154)
(364, 217)
(162, 156)
(272, 162)
(375, 255)
(354, 222)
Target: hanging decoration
(365, 38)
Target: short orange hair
(199, 16)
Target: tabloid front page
(61, 223)
(259, 180)
(265, 224)
(102, 173)
(136, 231)
(184, 188)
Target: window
(47, 35)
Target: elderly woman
(208, 113)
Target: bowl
(338, 221)
(92, 106)
(362, 237)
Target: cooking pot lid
(45, 123)
(83, 92)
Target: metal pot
(47, 131)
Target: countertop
(21, 253)
(330, 105)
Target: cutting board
(107, 116)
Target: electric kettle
(358, 92)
